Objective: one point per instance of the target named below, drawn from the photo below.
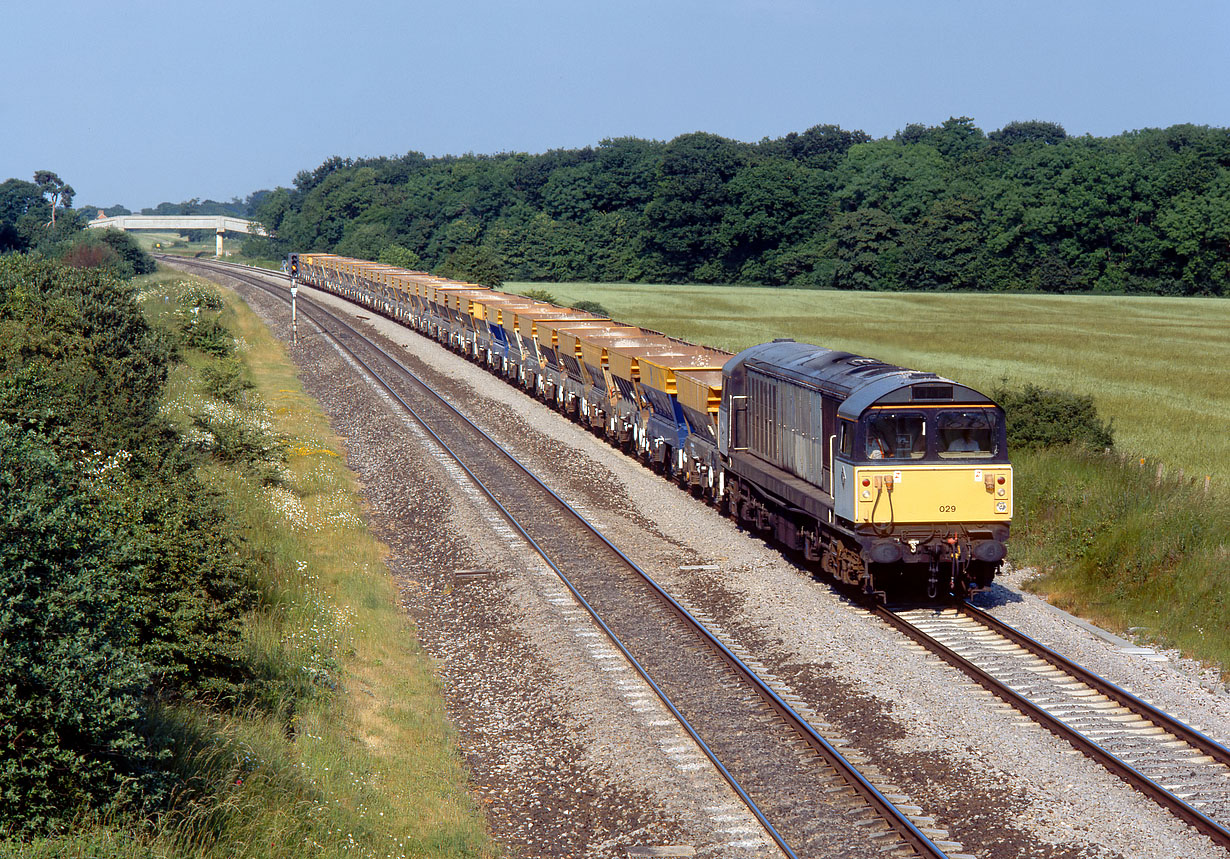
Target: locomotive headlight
(866, 494)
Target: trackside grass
(1130, 552)
(356, 758)
(1113, 540)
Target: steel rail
(901, 824)
(1120, 695)
(1201, 822)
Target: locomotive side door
(828, 425)
(732, 423)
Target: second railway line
(982, 819)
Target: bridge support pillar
(218, 252)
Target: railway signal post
(294, 316)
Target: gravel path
(572, 758)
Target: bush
(114, 250)
(194, 583)
(541, 295)
(207, 334)
(473, 264)
(89, 255)
(199, 295)
(401, 257)
(237, 439)
(591, 307)
(78, 362)
(72, 721)
(122, 584)
(226, 380)
(128, 250)
(1040, 418)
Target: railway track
(810, 799)
(1170, 762)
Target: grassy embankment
(367, 766)
(1117, 544)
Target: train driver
(877, 448)
(965, 443)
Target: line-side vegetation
(202, 653)
(1025, 208)
(1115, 538)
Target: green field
(1159, 367)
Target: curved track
(1170, 762)
(809, 798)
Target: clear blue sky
(138, 102)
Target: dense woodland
(932, 208)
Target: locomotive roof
(860, 382)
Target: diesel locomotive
(887, 478)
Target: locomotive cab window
(967, 433)
(845, 438)
(896, 435)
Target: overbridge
(218, 223)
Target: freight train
(889, 479)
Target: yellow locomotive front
(928, 484)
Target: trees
(866, 244)
(21, 206)
(903, 180)
(1196, 238)
(773, 204)
(955, 138)
(944, 249)
(935, 207)
(821, 147)
(689, 197)
(623, 175)
(1033, 131)
(55, 188)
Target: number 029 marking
(948, 508)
